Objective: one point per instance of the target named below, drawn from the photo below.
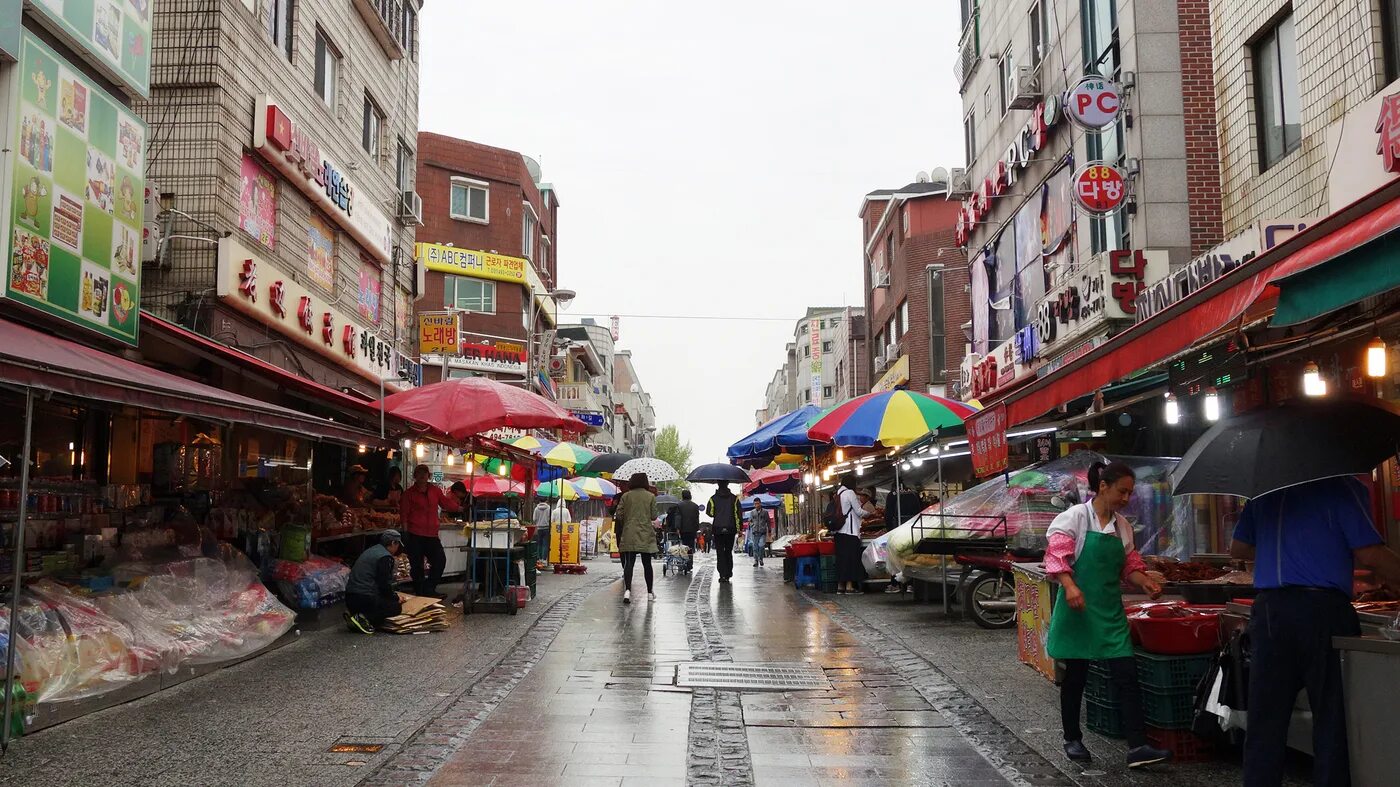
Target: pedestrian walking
(851, 508)
(1090, 553)
(1305, 541)
(370, 597)
(542, 532)
(636, 534)
(687, 515)
(759, 527)
(725, 518)
(420, 514)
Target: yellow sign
(897, 375)
(477, 264)
(790, 504)
(564, 543)
(438, 333)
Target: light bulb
(802, 498)
(1313, 384)
(907, 467)
(1212, 406)
(860, 469)
(840, 455)
(451, 460)
(363, 448)
(1173, 412)
(503, 470)
(407, 444)
(1375, 358)
(918, 461)
(467, 468)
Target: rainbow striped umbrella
(596, 487)
(889, 419)
(567, 455)
(552, 489)
(534, 445)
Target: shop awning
(1352, 264)
(32, 359)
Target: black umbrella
(718, 473)
(667, 500)
(1268, 450)
(605, 464)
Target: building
(281, 206)
(779, 398)
(824, 364)
(1039, 225)
(583, 372)
(915, 287)
(489, 245)
(634, 417)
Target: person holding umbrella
(1090, 552)
(636, 510)
(726, 517)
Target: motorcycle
(988, 589)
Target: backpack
(832, 517)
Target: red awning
(1346, 238)
(32, 359)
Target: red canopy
(764, 480)
(493, 486)
(469, 406)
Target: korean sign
(986, 437)
(477, 264)
(489, 354)
(115, 36)
(1100, 189)
(257, 202)
(1093, 103)
(1032, 139)
(77, 204)
(591, 417)
(816, 337)
(437, 333)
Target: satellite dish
(922, 177)
(939, 176)
(533, 167)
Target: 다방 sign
(1094, 103)
(986, 439)
(1099, 188)
(438, 333)
(115, 37)
(254, 285)
(292, 148)
(77, 200)
(477, 264)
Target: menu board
(115, 35)
(77, 207)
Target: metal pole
(11, 646)
(381, 405)
(942, 520)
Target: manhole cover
(762, 677)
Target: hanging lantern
(1376, 359)
(1313, 384)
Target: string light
(1313, 384)
(1212, 406)
(451, 460)
(1376, 359)
(1172, 411)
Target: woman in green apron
(1090, 553)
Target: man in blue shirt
(1304, 541)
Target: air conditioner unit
(880, 363)
(410, 208)
(883, 280)
(959, 183)
(1027, 93)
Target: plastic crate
(1098, 668)
(1185, 746)
(1170, 710)
(1099, 689)
(828, 562)
(828, 587)
(1105, 719)
(1171, 673)
(789, 568)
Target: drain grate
(758, 677)
(357, 748)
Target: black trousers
(629, 562)
(724, 554)
(1291, 631)
(1123, 675)
(420, 549)
(376, 608)
(689, 540)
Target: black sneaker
(1077, 752)
(1146, 755)
(359, 623)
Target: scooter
(987, 589)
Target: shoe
(755, 564)
(359, 623)
(1076, 751)
(627, 597)
(651, 597)
(1146, 755)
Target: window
(1100, 26)
(806, 351)
(806, 394)
(373, 128)
(1100, 37)
(891, 330)
(904, 317)
(1006, 77)
(403, 168)
(327, 68)
(834, 321)
(826, 392)
(543, 263)
(1039, 25)
(527, 232)
(408, 35)
(904, 217)
(1276, 92)
(279, 25)
(970, 138)
(821, 324)
(469, 200)
(826, 347)
(969, 10)
(468, 294)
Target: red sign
(986, 437)
(1388, 129)
(1100, 189)
(1030, 141)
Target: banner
(437, 333)
(986, 436)
(115, 36)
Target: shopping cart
(677, 558)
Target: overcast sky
(710, 160)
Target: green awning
(1368, 271)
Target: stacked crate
(531, 556)
(1168, 685)
(828, 573)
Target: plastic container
(826, 547)
(803, 549)
(1170, 673)
(1184, 745)
(1172, 710)
(1105, 719)
(1176, 629)
(1098, 688)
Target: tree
(670, 450)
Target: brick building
(489, 245)
(915, 287)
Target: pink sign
(369, 293)
(257, 203)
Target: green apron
(1100, 630)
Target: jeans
(629, 561)
(542, 542)
(1123, 675)
(419, 549)
(375, 608)
(689, 540)
(724, 554)
(1291, 631)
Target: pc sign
(1094, 103)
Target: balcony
(385, 19)
(580, 396)
(969, 50)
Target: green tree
(672, 451)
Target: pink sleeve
(1133, 563)
(1059, 553)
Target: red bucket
(826, 547)
(1177, 629)
(803, 549)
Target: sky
(710, 161)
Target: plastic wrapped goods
(875, 558)
(76, 651)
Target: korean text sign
(437, 333)
(986, 436)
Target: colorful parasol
(552, 490)
(493, 486)
(567, 456)
(889, 419)
(596, 487)
(534, 445)
(468, 406)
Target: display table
(1371, 680)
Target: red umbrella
(493, 486)
(764, 480)
(469, 406)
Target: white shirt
(854, 511)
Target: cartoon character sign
(107, 29)
(30, 195)
(42, 83)
(126, 200)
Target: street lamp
(562, 296)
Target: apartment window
(1039, 24)
(1100, 20)
(1006, 77)
(970, 138)
(904, 216)
(826, 347)
(373, 128)
(1276, 92)
(327, 68)
(892, 330)
(543, 265)
(904, 318)
(470, 200)
(408, 35)
(527, 232)
(403, 167)
(834, 321)
(806, 394)
(468, 294)
(969, 10)
(806, 351)
(279, 25)
(826, 392)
